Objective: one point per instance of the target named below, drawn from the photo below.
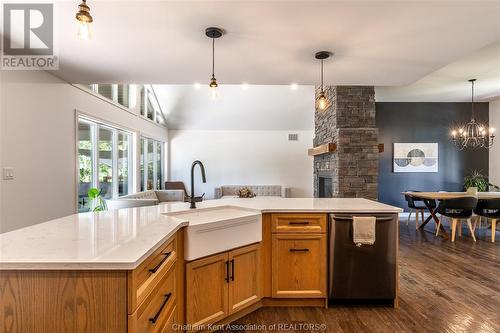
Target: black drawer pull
(166, 254)
(298, 222)
(227, 271)
(155, 318)
(299, 250)
(232, 269)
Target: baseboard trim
(293, 302)
(267, 302)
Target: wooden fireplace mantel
(322, 149)
(331, 148)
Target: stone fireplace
(349, 121)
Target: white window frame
(155, 166)
(94, 134)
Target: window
(104, 161)
(150, 108)
(151, 164)
(85, 164)
(123, 163)
(123, 94)
(127, 95)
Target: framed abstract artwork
(415, 157)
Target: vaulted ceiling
(382, 43)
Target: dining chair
(490, 209)
(458, 209)
(417, 205)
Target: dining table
(429, 197)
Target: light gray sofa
(146, 198)
(259, 190)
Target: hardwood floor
(444, 287)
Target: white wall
(38, 136)
(242, 157)
(495, 150)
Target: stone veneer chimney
(349, 121)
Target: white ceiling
(249, 107)
(272, 42)
(449, 84)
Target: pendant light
(473, 134)
(84, 19)
(213, 32)
(322, 102)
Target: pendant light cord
(321, 75)
(213, 57)
(472, 101)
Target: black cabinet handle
(298, 222)
(227, 271)
(299, 250)
(155, 318)
(232, 269)
(167, 254)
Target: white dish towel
(363, 230)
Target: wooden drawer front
(292, 223)
(299, 265)
(171, 321)
(144, 278)
(154, 313)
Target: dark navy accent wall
(426, 122)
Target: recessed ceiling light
(197, 86)
(294, 86)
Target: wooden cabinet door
(299, 265)
(245, 287)
(207, 289)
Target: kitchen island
(126, 270)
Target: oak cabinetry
(96, 301)
(153, 290)
(245, 287)
(222, 284)
(299, 251)
(144, 278)
(153, 314)
(298, 222)
(206, 289)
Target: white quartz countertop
(122, 239)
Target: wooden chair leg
(469, 224)
(453, 229)
(422, 214)
(459, 228)
(416, 220)
(493, 229)
(438, 226)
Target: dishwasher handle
(349, 218)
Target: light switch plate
(8, 173)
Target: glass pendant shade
(322, 101)
(84, 19)
(213, 33)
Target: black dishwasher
(366, 272)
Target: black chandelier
(473, 134)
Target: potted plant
(477, 182)
(94, 195)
